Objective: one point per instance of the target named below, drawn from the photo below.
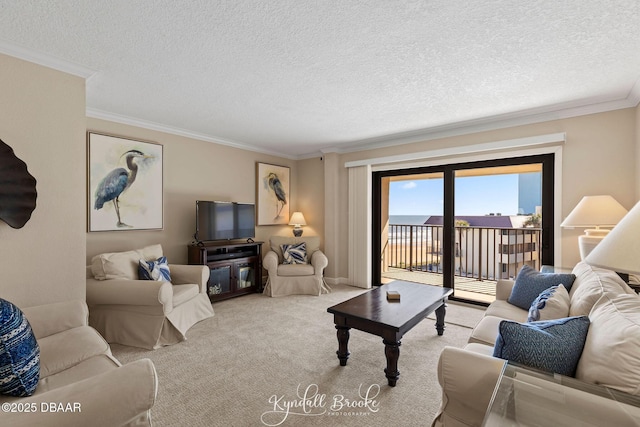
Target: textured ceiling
(296, 77)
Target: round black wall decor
(17, 189)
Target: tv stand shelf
(234, 268)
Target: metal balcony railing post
(411, 248)
(480, 254)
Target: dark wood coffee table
(371, 312)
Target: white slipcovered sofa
(81, 383)
(145, 313)
(610, 356)
(295, 279)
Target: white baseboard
(336, 280)
(340, 281)
(330, 280)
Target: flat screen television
(224, 221)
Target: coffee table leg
(343, 341)
(392, 351)
(440, 312)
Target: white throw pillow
(552, 303)
(610, 354)
(122, 265)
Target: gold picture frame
(124, 184)
(272, 194)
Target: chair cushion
(154, 270)
(295, 270)
(486, 330)
(85, 369)
(19, 352)
(122, 265)
(183, 293)
(552, 303)
(549, 345)
(68, 348)
(295, 254)
(530, 283)
(610, 355)
(501, 308)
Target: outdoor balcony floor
(465, 287)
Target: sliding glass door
(408, 244)
(463, 226)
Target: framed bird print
(272, 194)
(125, 187)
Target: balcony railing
(482, 253)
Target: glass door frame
(448, 244)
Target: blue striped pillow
(295, 254)
(154, 270)
(19, 353)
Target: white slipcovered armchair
(77, 368)
(295, 279)
(145, 313)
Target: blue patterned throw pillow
(295, 254)
(154, 270)
(19, 353)
(548, 345)
(530, 283)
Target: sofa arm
(113, 398)
(129, 292)
(319, 261)
(503, 289)
(53, 318)
(467, 380)
(182, 274)
(270, 262)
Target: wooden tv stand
(234, 268)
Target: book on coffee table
(393, 295)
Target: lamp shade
(620, 249)
(297, 219)
(595, 211)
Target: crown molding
(517, 143)
(539, 115)
(133, 121)
(634, 93)
(46, 60)
(520, 118)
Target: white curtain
(360, 226)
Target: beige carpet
(258, 355)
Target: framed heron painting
(272, 194)
(124, 184)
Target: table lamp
(592, 213)
(297, 219)
(620, 249)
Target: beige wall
(637, 130)
(310, 200)
(599, 157)
(199, 170)
(42, 117)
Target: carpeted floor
(258, 357)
